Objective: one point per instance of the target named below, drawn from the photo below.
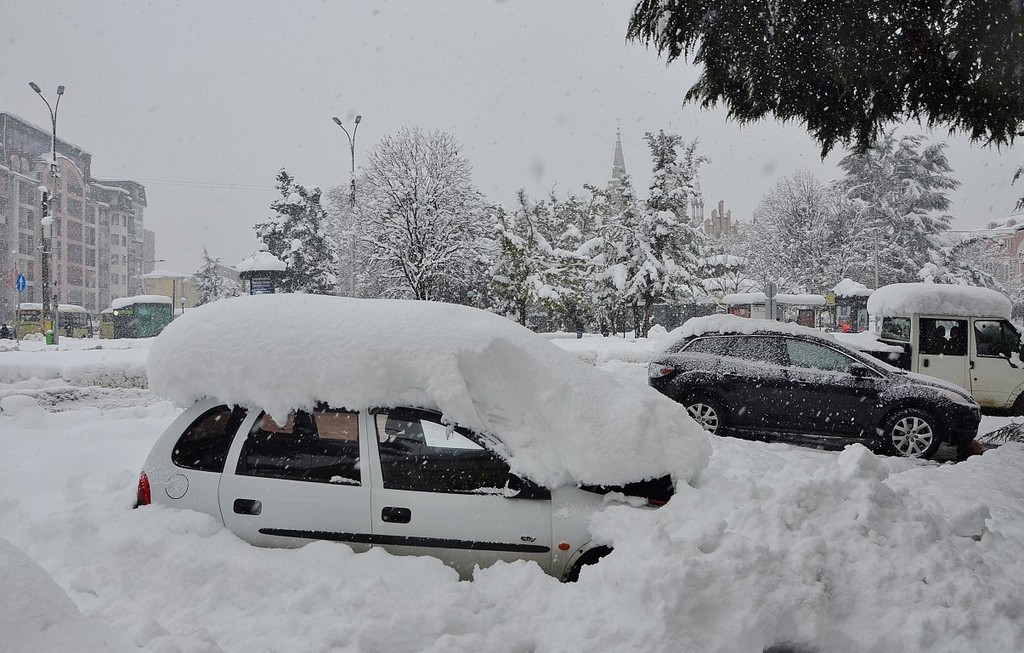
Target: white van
(961, 334)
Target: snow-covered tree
(651, 248)
(297, 235)
(211, 284)
(899, 187)
(541, 258)
(421, 224)
(805, 236)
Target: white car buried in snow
(419, 427)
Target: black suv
(801, 386)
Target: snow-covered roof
(938, 299)
(165, 274)
(850, 288)
(71, 308)
(560, 420)
(30, 306)
(121, 302)
(781, 298)
(261, 261)
(697, 326)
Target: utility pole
(352, 203)
(50, 302)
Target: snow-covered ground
(776, 545)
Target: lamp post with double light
(46, 222)
(351, 201)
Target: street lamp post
(352, 202)
(46, 222)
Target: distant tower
(721, 222)
(619, 164)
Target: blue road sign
(21, 283)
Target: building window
(74, 276)
(90, 235)
(26, 244)
(74, 254)
(74, 230)
(90, 257)
(26, 218)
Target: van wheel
(911, 433)
(1018, 406)
(706, 412)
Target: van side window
(946, 337)
(317, 447)
(996, 338)
(896, 328)
(204, 444)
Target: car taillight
(659, 370)
(143, 496)
(656, 503)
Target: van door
(942, 350)
(996, 368)
(286, 485)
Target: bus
(73, 320)
(142, 316)
(107, 323)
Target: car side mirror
(860, 370)
(526, 489)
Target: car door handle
(247, 507)
(394, 515)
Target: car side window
(418, 452)
(204, 444)
(996, 338)
(713, 345)
(946, 337)
(816, 357)
(318, 447)
(761, 349)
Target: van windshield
(896, 328)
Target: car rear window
(204, 444)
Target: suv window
(319, 447)
(996, 338)
(816, 357)
(946, 337)
(762, 349)
(713, 345)
(418, 452)
(204, 444)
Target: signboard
(261, 286)
(21, 283)
(830, 298)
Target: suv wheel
(707, 413)
(911, 433)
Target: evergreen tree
(297, 235)
(899, 188)
(845, 68)
(652, 250)
(209, 283)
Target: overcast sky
(204, 102)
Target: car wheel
(707, 413)
(911, 433)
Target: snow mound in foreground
(560, 420)
(36, 614)
(938, 299)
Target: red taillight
(143, 496)
(658, 370)
(656, 503)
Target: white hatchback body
(396, 479)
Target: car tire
(707, 412)
(591, 557)
(911, 433)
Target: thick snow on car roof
(560, 420)
(938, 299)
(697, 326)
